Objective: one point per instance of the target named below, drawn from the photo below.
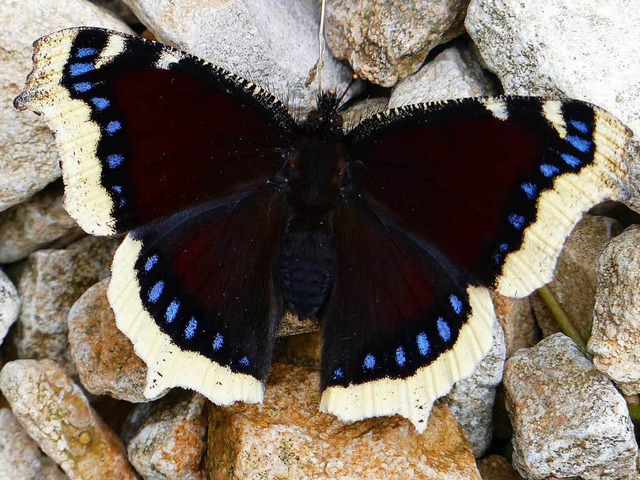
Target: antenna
(321, 48)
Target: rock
(471, 400)
(288, 437)
(563, 48)
(118, 9)
(51, 282)
(20, 457)
(568, 419)
(304, 349)
(172, 441)
(36, 223)
(455, 72)
(615, 341)
(386, 41)
(495, 467)
(29, 158)
(9, 305)
(574, 283)
(518, 323)
(57, 415)
(104, 356)
(272, 43)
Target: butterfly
(391, 233)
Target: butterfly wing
(450, 199)
(497, 184)
(195, 294)
(145, 130)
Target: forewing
(495, 184)
(145, 130)
(403, 323)
(196, 296)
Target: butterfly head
(324, 119)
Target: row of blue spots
(86, 52)
(113, 126)
(579, 143)
(82, 87)
(156, 291)
(172, 311)
(190, 330)
(118, 190)
(100, 103)
(516, 220)
(549, 170)
(502, 249)
(529, 189)
(115, 160)
(369, 362)
(218, 342)
(443, 329)
(456, 304)
(423, 344)
(580, 126)
(80, 68)
(151, 262)
(401, 358)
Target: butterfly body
(391, 233)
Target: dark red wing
(146, 130)
(495, 184)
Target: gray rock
(171, 442)
(386, 41)
(20, 457)
(563, 48)
(9, 305)
(272, 43)
(38, 222)
(574, 283)
(57, 415)
(50, 283)
(471, 400)
(454, 73)
(29, 158)
(568, 419)
(615, 342)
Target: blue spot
(115, 160)
(579, 143)
(76, 69)
(156, 291)
(456, 304)
(338, 374)
(580, 126)
(401, 359)
(190, 331)
(503, 247)
(530, 190)
(122, 202)
(244, 361)
(82, 87)
(497, 257)
(369, 362)
(423, 344)
(150, 263)
(113, 127)
(570, 160)
(218, 341)
(172, 311)
(117, 189)
(86, 52)
(443, 329)
(100, 102)
(516, 220)
(549, 170)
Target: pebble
(9, 305)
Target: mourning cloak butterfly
(390, 233)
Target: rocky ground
(535, 408)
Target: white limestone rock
(9, 305)
(568, 418)
(29, 158)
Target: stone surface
(20, 457)
(104, 356)
(50, 283)
(574, 282)
(273, 43)
(455, 72)
(615, 341)
(9, 305)
(172, 441)
(29, 158)
(287, 437)
(304, 349)
(36, 223)
(518, 323)
(57, 415)
(568, 419)
(471, 400)
(495, 467)
(385, 41)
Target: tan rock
(287, 437)
(495, 467)
(574, 283)
(57, 415)
(304, 349)
(385, 41)
(103, 355)
(172, 441)
(517, 320)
